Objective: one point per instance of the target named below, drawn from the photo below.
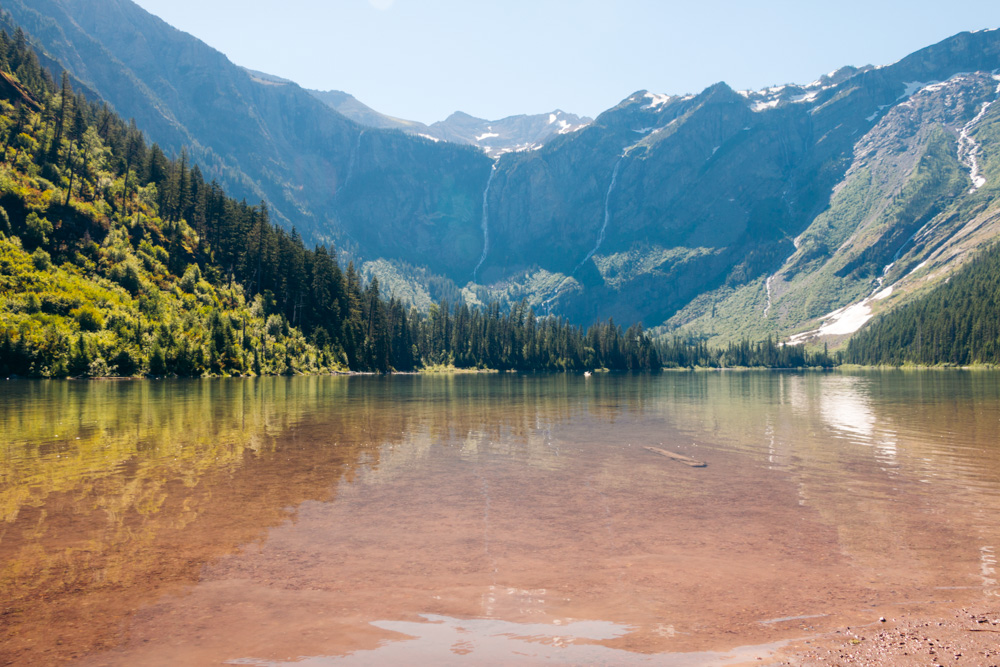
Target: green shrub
(38, 229)
(192, 276)
(32, 304)
(128, 275)
(99, 368)
(88, 317)
(41, 259)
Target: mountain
(494, 137)
(919, 197)
(514, 133)
(719, 214)
(349, 106)
(379, 193)
(690, 210)
(115, 260)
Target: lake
(487, 519)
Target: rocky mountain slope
(719, 214)
(919, 198)
(687, 209)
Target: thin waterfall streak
(353, 161)
(607, 214)
(547, 304)
(968, 148)
(485, 222)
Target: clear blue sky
(423, 59)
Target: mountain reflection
(112, 493)
(271, 518)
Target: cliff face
(664, 209)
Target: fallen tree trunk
(686, 460)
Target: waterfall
(968, 149)
(547, 304)
(485, 222)
(353, 161)
(607, 214)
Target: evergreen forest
(957, 324)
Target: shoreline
(437, 370)
(958, 634)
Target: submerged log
(686, 460)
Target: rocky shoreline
(965, 636)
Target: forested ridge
(956, 324)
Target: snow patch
(808, 97)
(552, 118)
(486, 135)
(656, 100)
(427, 136)
(761, 106)
(565, 127)
(844, 320)
(914, 86)
(875, 115)
(934, 87)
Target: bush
(274, 325)
(99, 368)
(192, 276)
(128, 361)
(88, 317)
(128, 275)
(32, 304)
(38, 229)
(41, 259)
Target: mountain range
(795, 210)
(494, 137)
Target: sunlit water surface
(486, 519)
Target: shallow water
(483, 519)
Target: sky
(424, 59)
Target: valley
(714, 216)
